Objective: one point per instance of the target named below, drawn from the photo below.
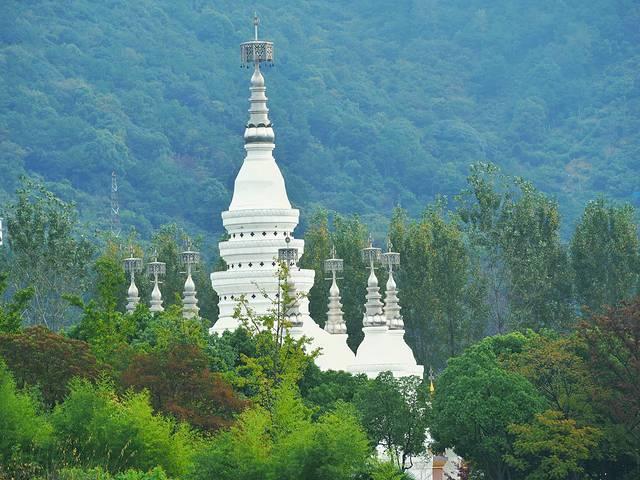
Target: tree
(322, 390)
(552, 447)
(476, 400)
(279, 358)
(24, 433)
(613, 345)
(95, 427)
(394, 413)
(283, 442)
(180, 384)
(443, 300)
(605, 255)
(516, 230)
(39, 357)
(47, 253)
(317, 243)
(11, 312)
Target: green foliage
(516, 230)
(95, 427)
(323, 390)
(394, 413)
(552, 447)
(24, 433)
(476, 400)
(99, 474)
(11, 312)
(283, 442)
(39, 357)
(181, 384)
(546, 88)
(443, 299)
(46, 253)
(605, 255)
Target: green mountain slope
(374, 103)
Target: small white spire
(156, 298)
(293, 312)
(335, 320)
(133, 299)
(189, 302)
(155, 269)
(392, 306)
(373, 308)
(132, 265)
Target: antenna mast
(115, 208)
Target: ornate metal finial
(189, 258)
(333, 265)
(255, 52)
(390, 258)
(132, 265)
(155, 269)
(371, 255)
(288, 256)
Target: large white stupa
(260, 222)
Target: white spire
(133, 299)
(156, 299)
(335, 321)
(155, 269)
(132, 265)
(373, 308)
(392, 307)
(293, 312)
(189, 302)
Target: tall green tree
(516, 230)
(394, 412)
(96, 427)
(605, 255)
(477, 399)
(47, 253)
(441, 294)
(24, 432)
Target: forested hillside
(375, 103)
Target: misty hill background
(374, 103)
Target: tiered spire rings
(392, 308)
(373, 308)
(335, 321)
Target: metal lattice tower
(115, 207)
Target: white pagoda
(260, 222)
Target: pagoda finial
(256, 22)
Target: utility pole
(115, 208)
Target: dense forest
(375, 104)
(534, 342)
